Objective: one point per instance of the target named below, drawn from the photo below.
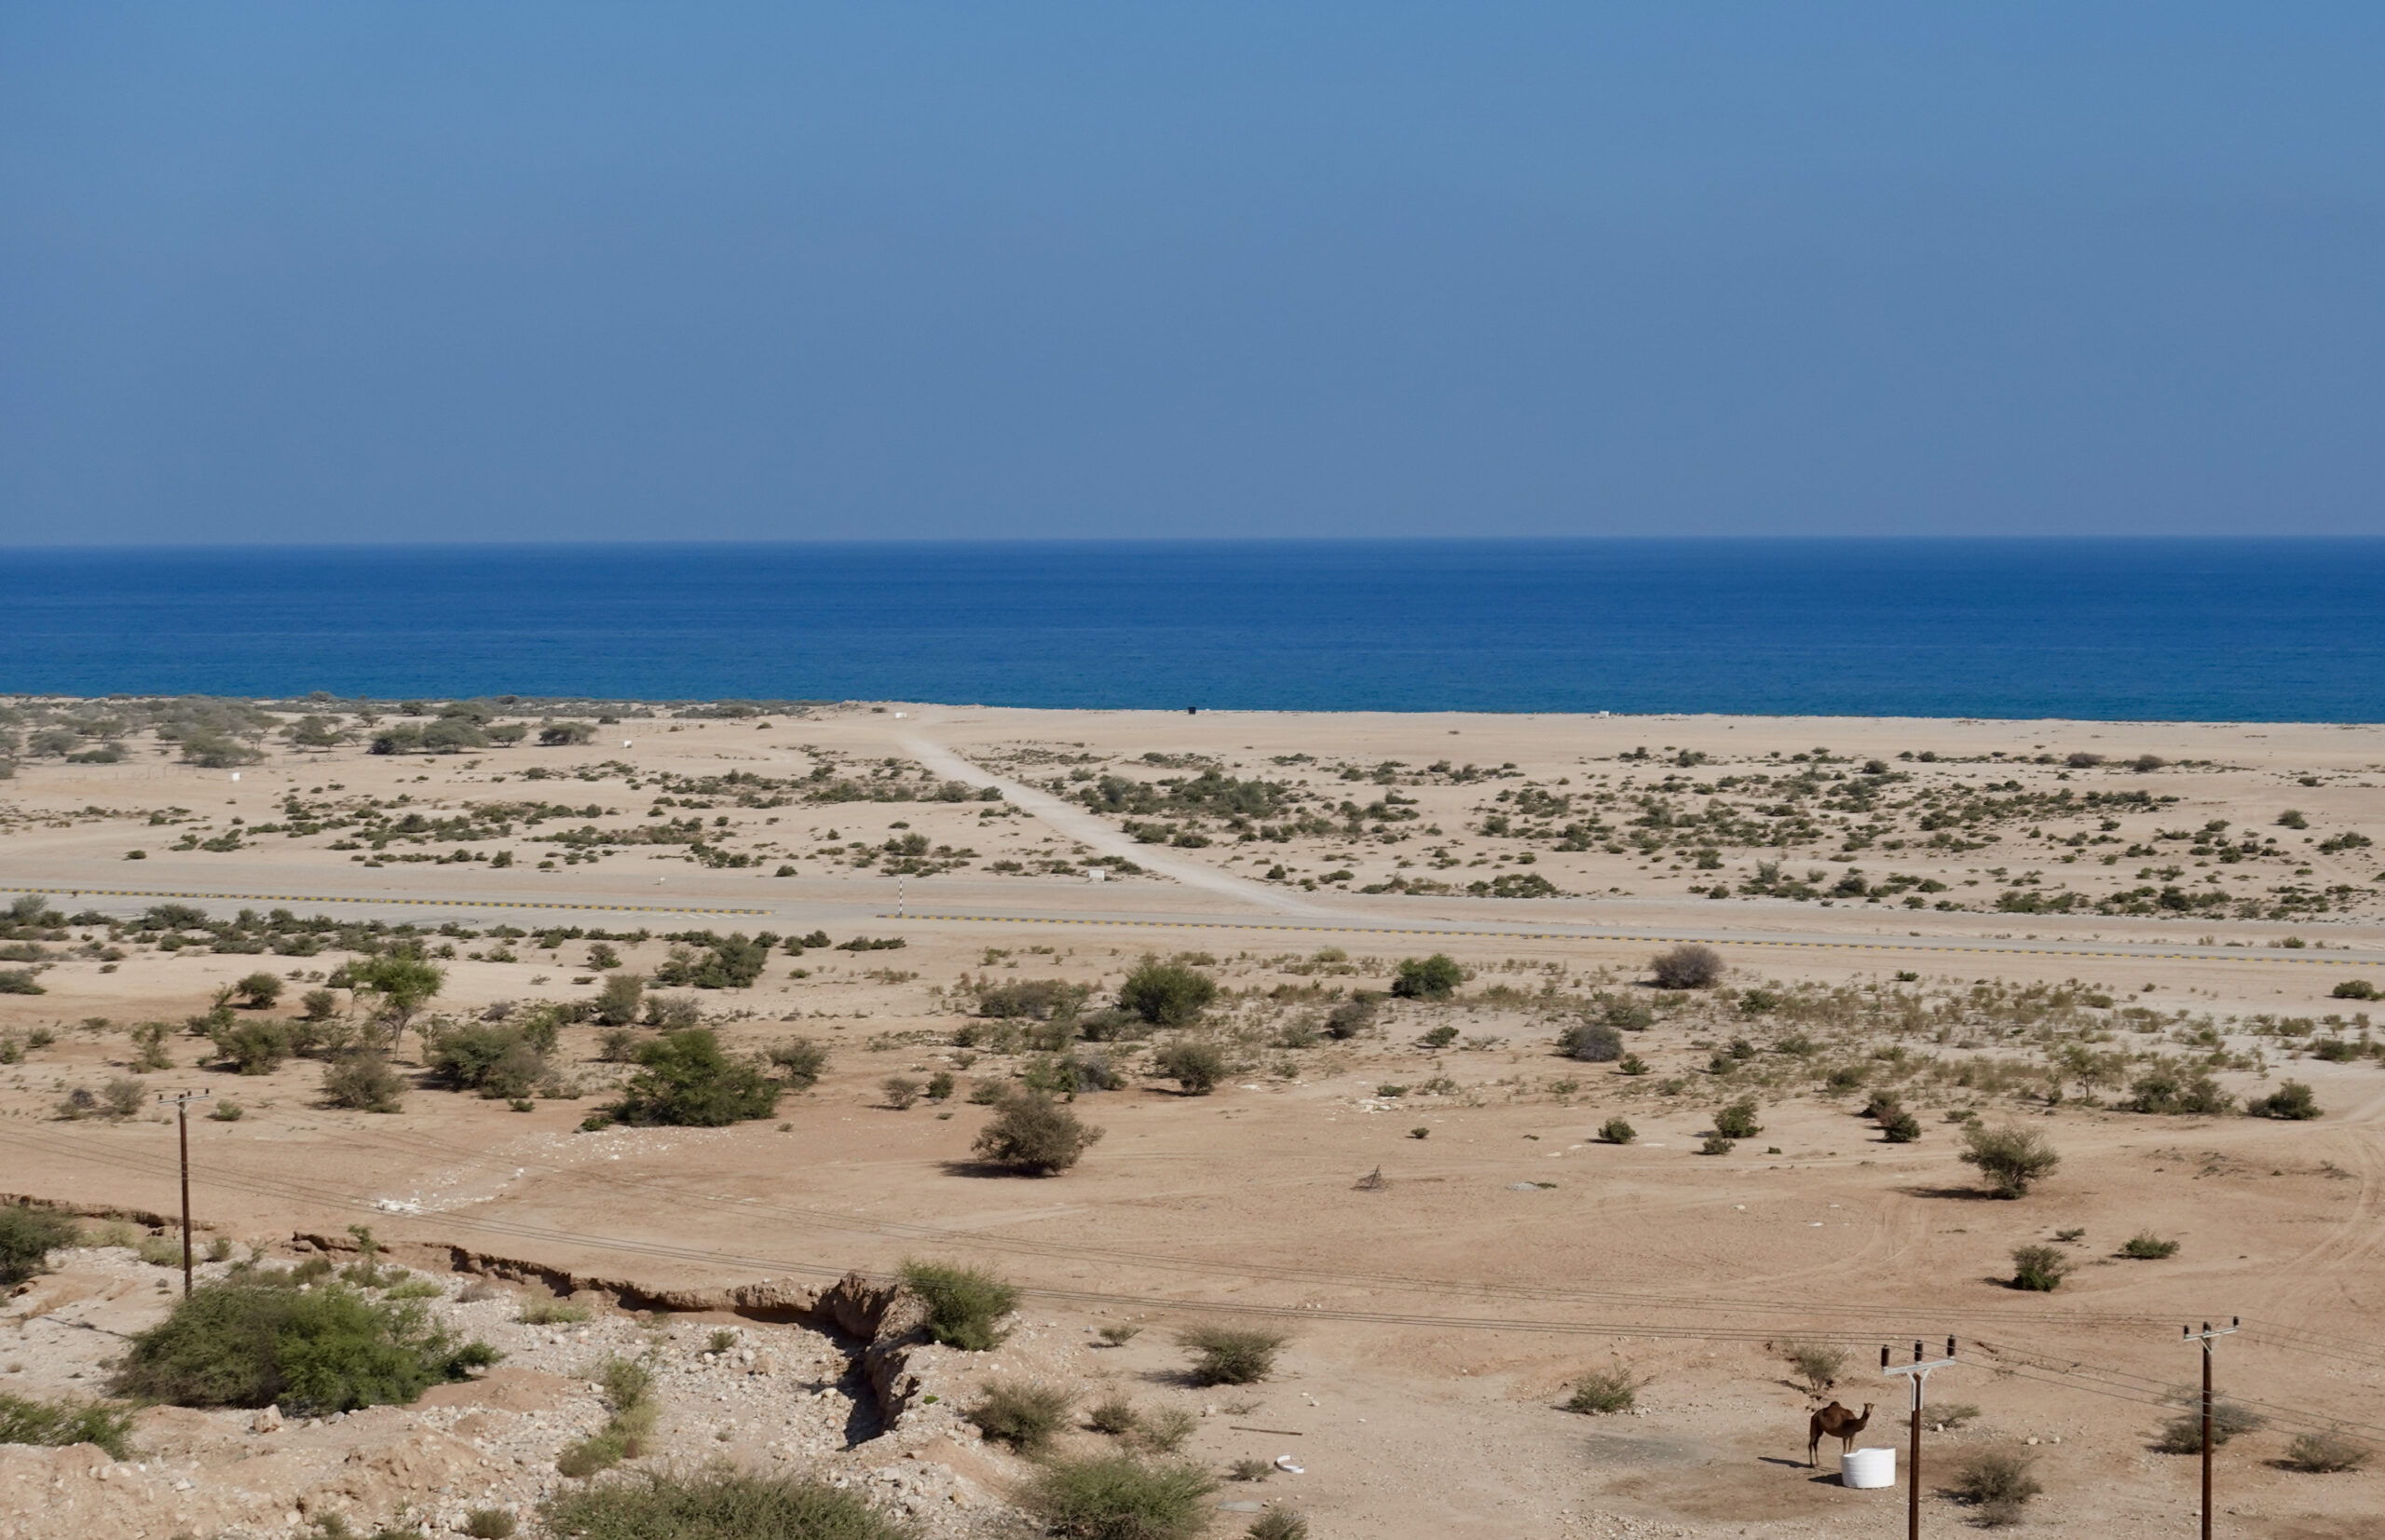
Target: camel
(1834, 1421)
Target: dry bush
(1818, 1364)
(1688, 967)
(1997, 1482)
(1605, 1390)
(2183, 1434)
(718, 1504)
(901, 1092)
(2322, 1452)
(1024, 1416)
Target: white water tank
(1868, 1468)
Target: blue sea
(2202, 630)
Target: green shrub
(2168, 1088)
(940, 1086)
(499, 1061)
(1605, 1390)
(1231, 1355)
(259, 990)
(2183, 1434)
(2291, 1100)
(1115, 1417)
(2039, 1268)
(1024, 1416)
(552, 1313)
(2146, 1246)
(1277, 1525)
(1738, 1120)
(2011, 1158)
(259, 1340)
(718, 1504)
(363, 1083)
(1029, 1132)
(901, 1091)
(1901, 1127)
(618, 998)
(2316, 1453)
(1351, 1018)
(489, 1524)
(60, 1424)
(1197, 1067)
(1616, 1131)
(1632, 1064)
(964, 1303)
(1031, 999)
(1119, 1497)
(803, 1060)
(19, 981)
(1997, 1482)
(252, 1047)
(1434, 977)
(2355, 988)
(1167, 994)
(1687, 967)
(684, 1078)
(629, 1392)
(1717, 1145)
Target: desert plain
(2118, 937)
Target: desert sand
(2019, 920)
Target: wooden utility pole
(182, 1101)
(2207, 1336)
(1915, 1374)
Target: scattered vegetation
(2291, 1100)
(1434, 977)
(1616, 1131)
(1167, 994)
(2183, 1434)
(2146, 1246)
(1195, 1065)
(684, 1078)
(1818, 1364)
(629, 1396)
(60, 1424)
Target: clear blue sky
(461, 271)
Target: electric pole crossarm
(1917, 1375)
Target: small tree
(1029, 1132)
(1434, 977)
(404, 984)
(2011, 1158)
(1604, 1391)
(1197, 1067)
(1022, 1415)
(1616, 1131)
(801, 1059)
(1688, 967)
(901, 1092)
(1818, 1364)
